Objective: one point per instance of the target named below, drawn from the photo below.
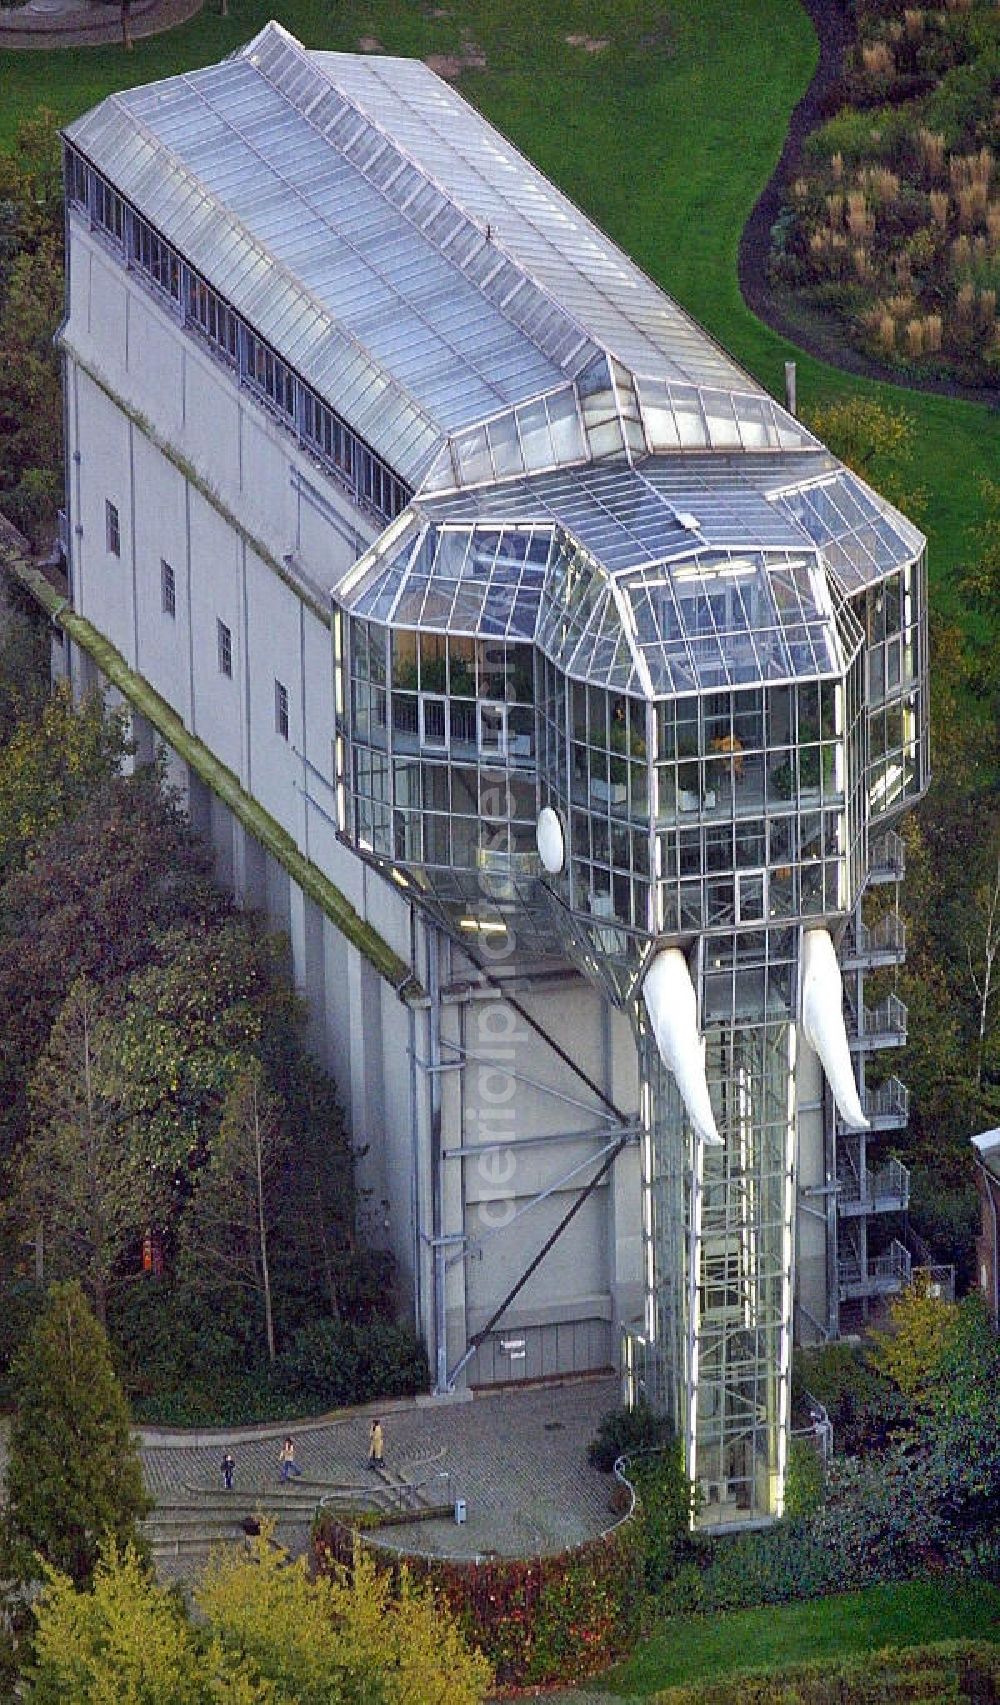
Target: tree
(24, 658)
(267, 1635)
(73, 1473)
(229, 1225)
(50, 767)
(315, 1255)
(98, 890)
(79, 1183)
(31, 477)
(193, 1023)
(126, 1639)
(983, 965)
(910, 1351)
(343, 1637)
(875, 440)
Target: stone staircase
(188, 1524)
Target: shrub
(625, 1432)
(863, 1407)
(335, 1362)
(665, 1497)
(805, 1485)
(537, 1620)
(742, 1570)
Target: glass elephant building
(637, 676)
(488, 606)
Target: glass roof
(480, 334)
(414, 268)
(707, 620)
(862, 536)
(455, 579)
(548, 239)
(688, 417)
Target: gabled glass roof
(549, 240)
(415, 269)
(689, 417)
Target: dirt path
(809, 331)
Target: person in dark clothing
(228, 1470)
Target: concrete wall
(204, 479)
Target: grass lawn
(665, 137)
(690, 1649)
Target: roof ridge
(594, 231)
(307, 56)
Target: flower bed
(538, 1619)
(893, 224)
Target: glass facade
(716, 729)
(636, 672)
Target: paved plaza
(518, 1459)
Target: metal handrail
(892, 1179)
(889, 1097)
(888, 854)
(886, 935)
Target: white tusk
(822, 1020)
(672, 1006)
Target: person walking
(290, 1469)
(376, 1445)
(228, 1470)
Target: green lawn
(666, 138)
(690, 1649)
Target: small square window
(112, 531)
(281, 709)
(168, 588)
(225, 640)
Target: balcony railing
(881, 943)
(887, 1108)
(887, 858)
(881, 1026)
(866, 1192)
(884, 1276)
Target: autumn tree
(50, 767)
(910, 1351)
(874, 439)
(125, 1639)
(344, 1636)
(73, 1473)
(193, 1023)
(78, 1182)
(229, 1226)
(266, 1634)
(98, 891)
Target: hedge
(916, 1675)
(538, 1619)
